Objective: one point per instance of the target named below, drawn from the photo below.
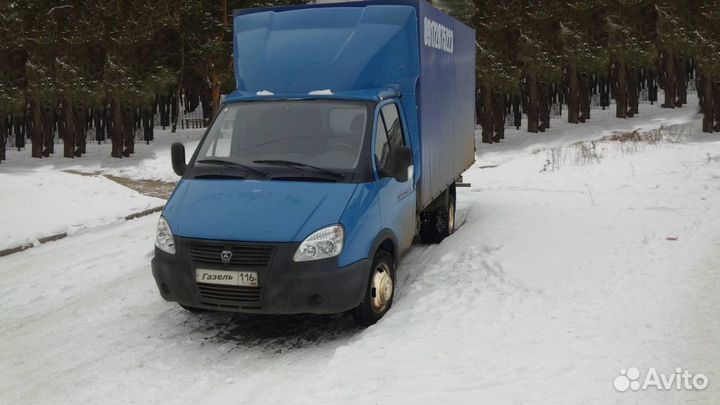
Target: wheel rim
(451, 218)
(382, 288)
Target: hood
(255, 211)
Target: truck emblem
(226, 255)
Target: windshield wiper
(229, 163)
(300, 165)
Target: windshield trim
(362, 173)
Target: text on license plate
(225, 277)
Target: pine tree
(675, 43)
(78, 78)
(538, 55)
(12, 72)
(631, 46)
(132, 71)
(40, 46)
(463, 10)
(706, 24)
(584, 53)
(497, 31)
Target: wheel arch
(385, 240)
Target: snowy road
(555, 280)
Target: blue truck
(350, 126)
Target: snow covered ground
(42, 202)
(43, 197)
(572, 261)
(149, 162)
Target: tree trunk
(81, 115)
(68, 130)
(707, 104)
(716, 105)
(669, 79)
(487, 121)
(499, 117)
(36, 135)
(517, 112)
(176, 109)
(114, 129)
(128, 128)
(680, 82)
(214, 91)
(22, 127)
(479, 107)
(604, 92)
(572, 95)
(178, 91)
(147, 117)
(543, 106)
(48, 117)
(620, 87)
(162, 102)
(652, 87)
(100, 116)
(214, 75)
(633, 92)
(3, 137)
(585, 96)
(532, 112)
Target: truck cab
(308, 185)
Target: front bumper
(285, 287)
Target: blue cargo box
(370, 50)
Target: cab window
(391, 117)
(389, 134)
(382, 147)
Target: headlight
(327, 242)
(164, 237)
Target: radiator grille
(230, 296)
(241, 255)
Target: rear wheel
(446, 219)
(380, 291)
(438, 224)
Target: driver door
(397, 200)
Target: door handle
(404, 193)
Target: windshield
(321, 135)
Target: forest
(100, 71)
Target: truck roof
(360, 3)
(358, 95)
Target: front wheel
(380, 290)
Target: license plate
(225, 277)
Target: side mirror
(401, 159)
(177, 153)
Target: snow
(601, 124)
(326, 92)
(559, 276)
(45, 197)
(42, 202)
(264, 93)
(149, 162)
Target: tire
(380, 291)
(446, 220)
(438, 224)
(428, 228)
(192, 309)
